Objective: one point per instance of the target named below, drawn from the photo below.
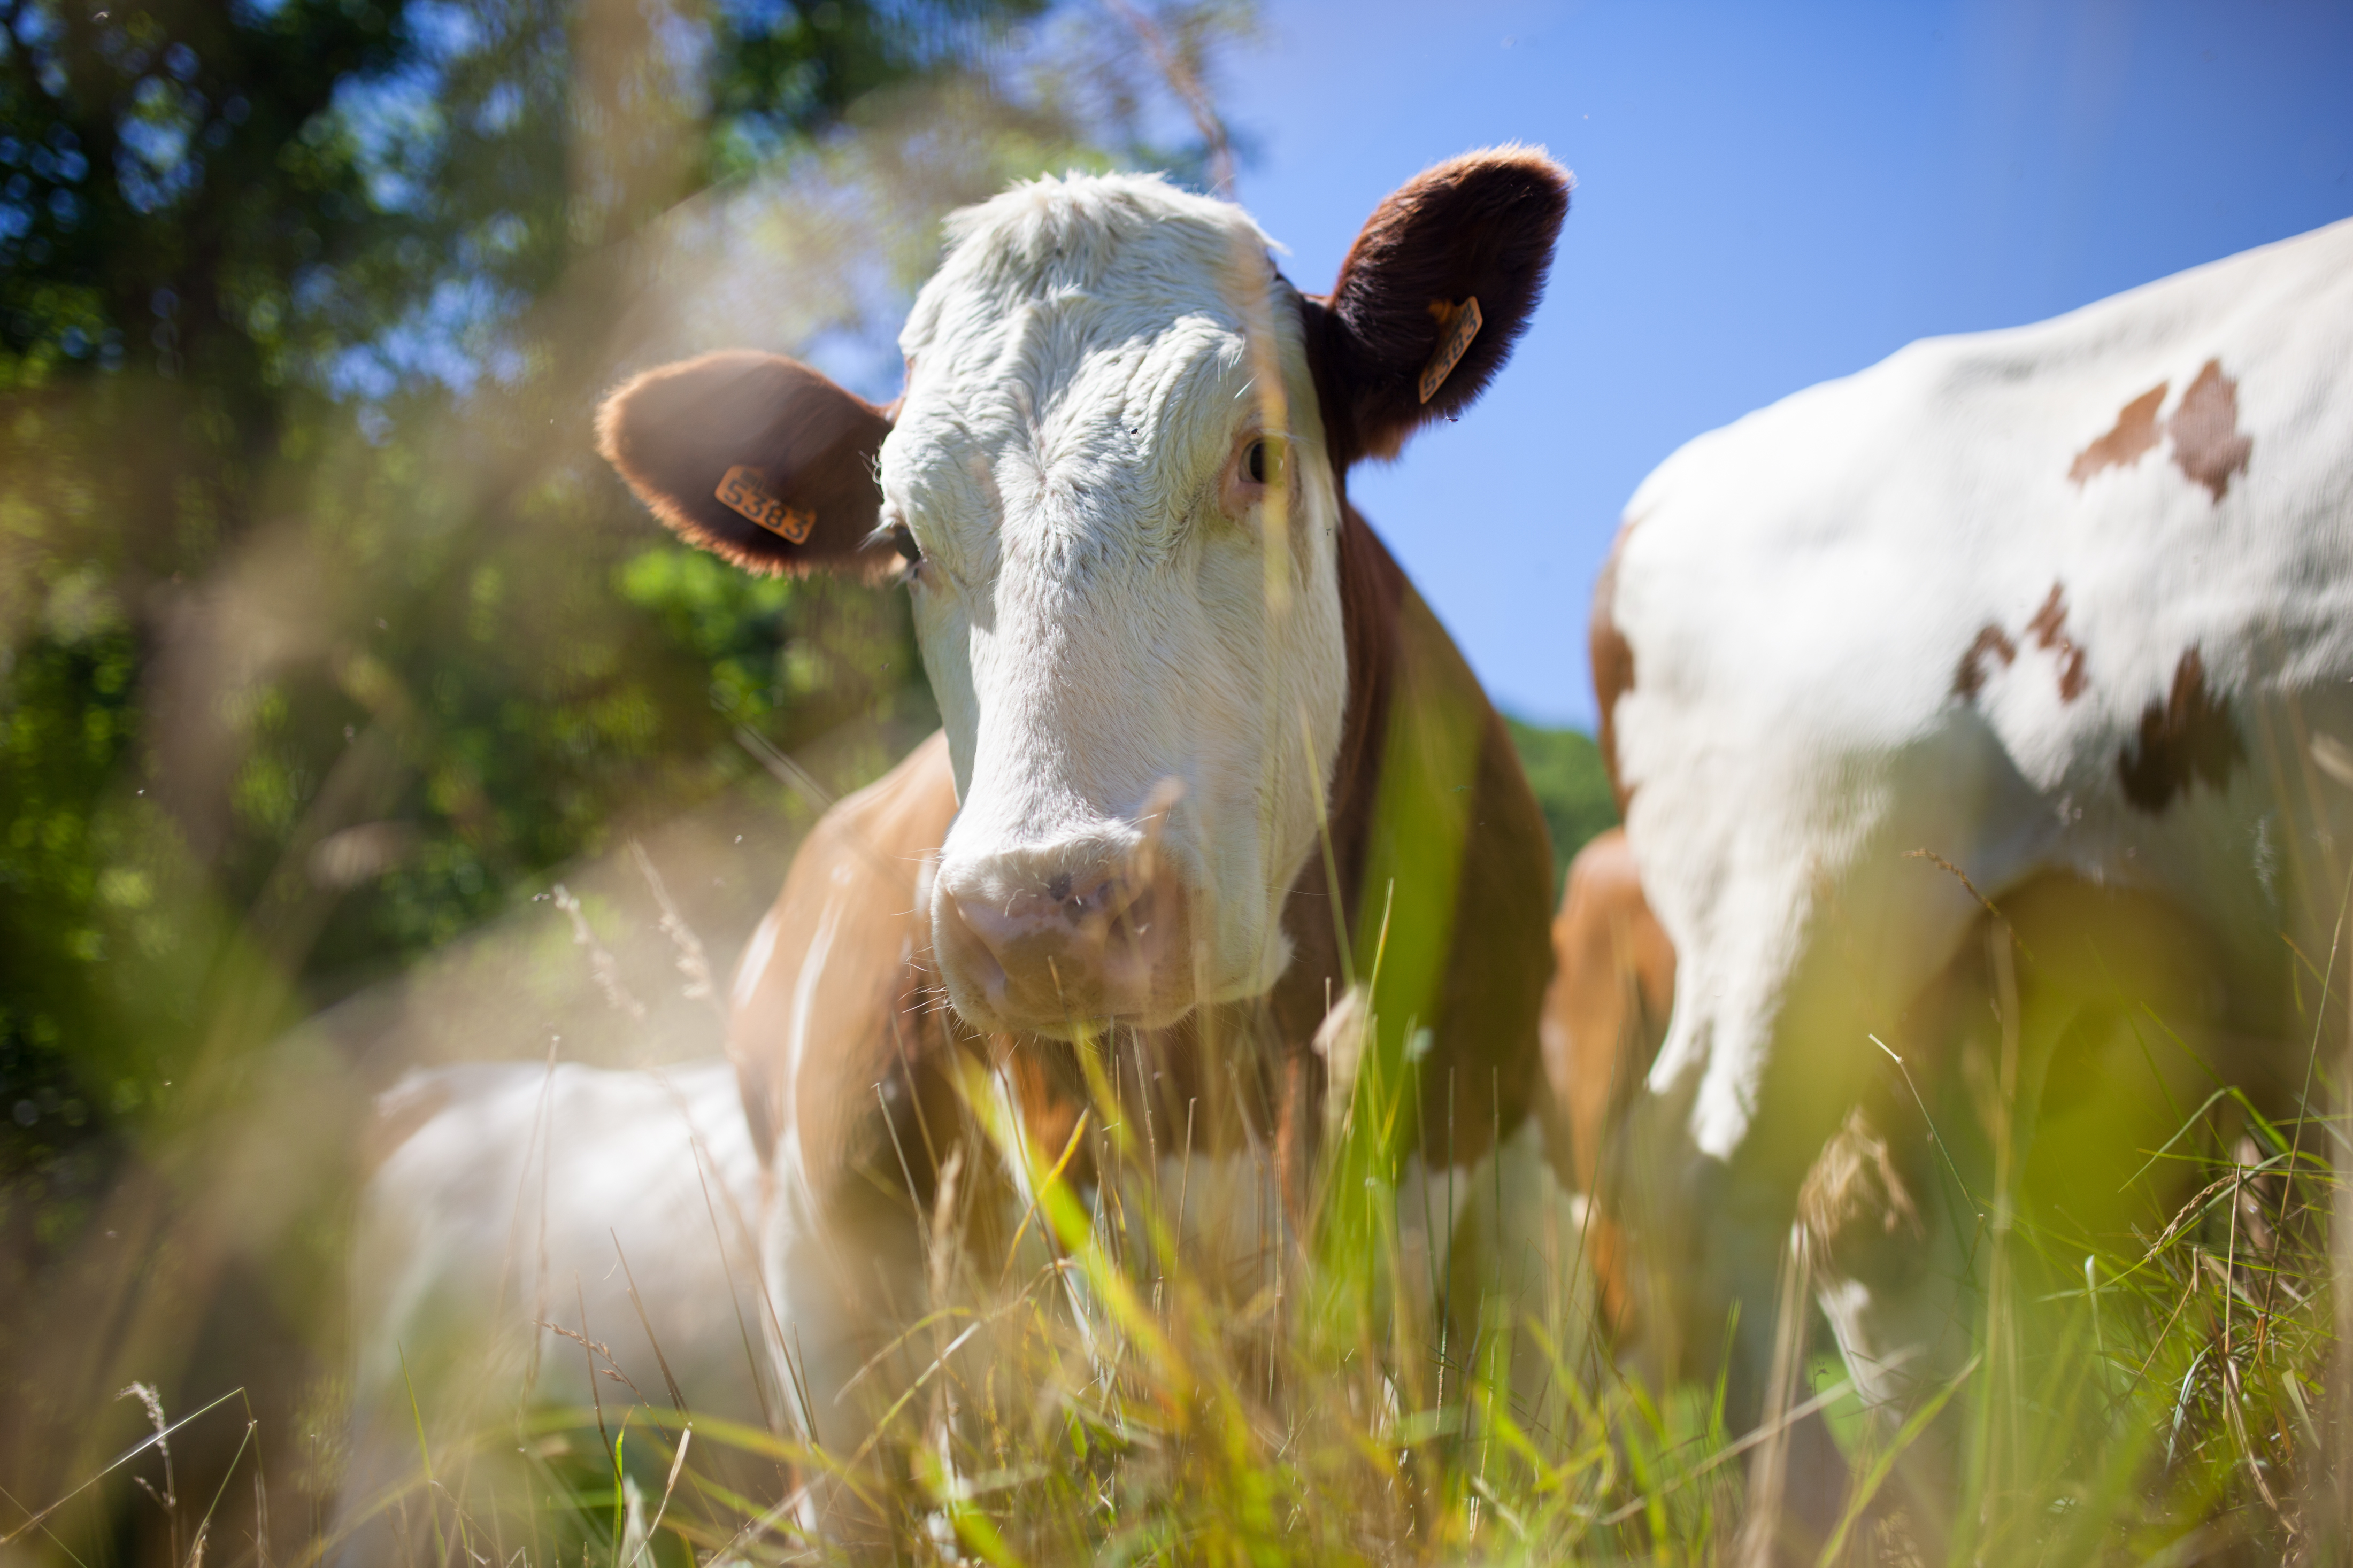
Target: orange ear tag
(743, 491)
(1456, 328)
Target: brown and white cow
(1203, 745)
(2057, 622)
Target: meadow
(1101, 1377)
(353, 720)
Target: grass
(1102, 1375)
(1095, 1390)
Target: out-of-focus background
(338, 678)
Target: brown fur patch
(1483, 1049)
(2186, 738)
(870, 1008)
(1612, 661)
(2206, 443)
(2048, 629)
(2205, 430)
(2134, 432)
(1970, 676)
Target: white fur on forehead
(1049, 237)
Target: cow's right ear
(753, 457)
(1437, 287)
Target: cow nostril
(1091, 937)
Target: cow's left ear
(753, 457)
(1437, 289)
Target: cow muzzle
(1047, 945)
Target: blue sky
(1767, 197)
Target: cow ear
(1437, 289)
(753, 457)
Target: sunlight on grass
(1095, 1388)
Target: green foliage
(1565, 769)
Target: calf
(2053, 623)
(1205, 752)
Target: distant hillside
(1565, 769)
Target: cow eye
(903, 540)
(1262, 460)
(1259, 463)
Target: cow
(1205, 750)
(2045, 631)
(1605, 1014)
(544, 1237)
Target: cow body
(1205, 750)
(2042, 620)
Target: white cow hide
(509, 1208)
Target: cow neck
(1372, 591)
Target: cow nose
(1044, 947)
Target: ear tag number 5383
(743, 491)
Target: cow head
(1114, 485)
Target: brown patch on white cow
(1970, 676)
(2187, 737)
(2049, 630)
(2207, 446)
(2134, 432)
(1612, 661)
(842, 1000)
(2205, 429)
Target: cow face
(1114, 485)
(1109, 460)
